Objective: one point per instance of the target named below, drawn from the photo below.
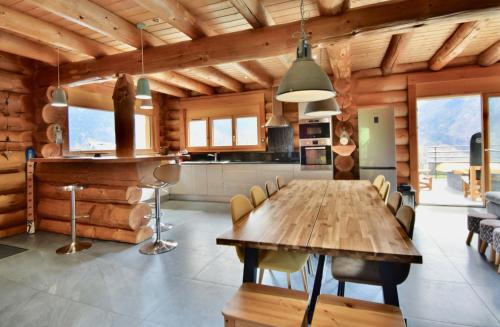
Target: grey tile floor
(111, 284)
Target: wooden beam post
(398, 44)
(340, 59)
(124, 103)
(457, 42)
(490, 56)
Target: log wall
(16, 134)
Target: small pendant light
(143, 91)
(323, 108)
(146, 104)
(59, 98)
(305, 81)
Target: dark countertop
(103, 159)
(223, 162)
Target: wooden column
(124, 102)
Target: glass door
(491, 126)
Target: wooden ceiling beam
(332, 7)
(340, 59)
(34, 28)
(184, 82)
(99, 19)
(254, 12)
(217, 77)
(490, 56)
(397, 45)
(391, 17)
(255, 72)
(174, 13)
(20, 46)
(455, 44)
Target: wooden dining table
(325, 217)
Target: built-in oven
(314, 129)
(316, 153)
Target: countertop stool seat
(486, 228)
(345, 312)
(496, 246)
(74, 246)
(166, 175)
(260, 305)
(474, 217)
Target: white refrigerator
(377, 144)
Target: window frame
(235, 131)
(210, 126)
(207, 127)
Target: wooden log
(12, 202)
(402, 137)
(402, 153)
(400, 109)
(395, 82)
(98, 232)
(15, 146)
(15, 136)
(123, 216)
(344, 175)
(51, 150)
(13, 104)
(13, 82)
(403, 169)
(403, 180)
(490, 56)
(15, 123)
(50, 132)
(401, 122)
(344, 164)
(173, 125)
(11, 161)
(100, 194)
(174, 145)
(173, 114)
(343, 116)
(340, 58)
(342, 85)
(124, 104)
(344, 126)
(397, 45)
(13, 218)
(380, 98)
(15, 230)
(344, 100)
(54, 115)
(16, 64)
(173, 135)
(12, 182)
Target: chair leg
(309, 266)
(304, 279)
(469, 238)
(497, 259)
(492, 254)
(261, 275)
(483, 246)
(341, 288)
(288, 279)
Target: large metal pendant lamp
(143, 91)
(305, 81)
(59, 98)
(323, 108)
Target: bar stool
(74, 246)
(166, 176)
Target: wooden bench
(345, 312)
(260, 305)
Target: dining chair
(394, 202)
(280, 181)
(283, 261)
(353, 270)
(384, 190)
(378, 181)
(257, 194)
(270, 188)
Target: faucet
(214, 155)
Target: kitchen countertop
(223, 162)
(103, 159)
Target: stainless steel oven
(316, 153)
(314, 129)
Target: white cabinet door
(198, 180)
(184, 185)
(215, 182)
(238, 178)
(311, 174)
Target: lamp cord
(302, 21)
(58, 67)
(142, 54)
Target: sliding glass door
(491, 127)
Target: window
(222, 132)
(247, 131)
(197, 133)
(94, 130)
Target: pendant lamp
(59, 98)
(323, 108)
(305, 81)
(143, 91)
(146, 104)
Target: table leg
(250, 265)
(316, 288)
(389, 286)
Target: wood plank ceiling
(87, 29)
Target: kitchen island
(109, 207)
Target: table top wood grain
(339, 218)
